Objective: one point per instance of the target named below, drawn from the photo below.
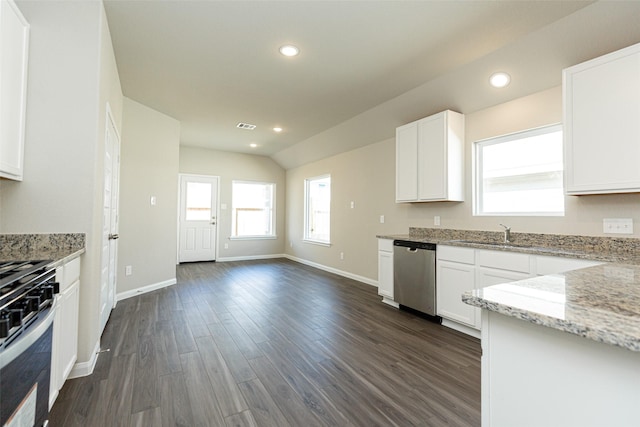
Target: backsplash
(611, 245)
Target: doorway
(198, 218)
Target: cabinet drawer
(456, 254)
(385, 245)
(504, 260)
(552, 265)
(68, 274)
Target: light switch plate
(617, 225)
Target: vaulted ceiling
(364, 67)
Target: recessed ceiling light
(253, 145)
(277, 129)
(289, 50)
(500, 79)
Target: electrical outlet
(381, 219)
(617, 225)
(353, 205)
(226, 246)
(128, 270)
(436, 220)
(342, 255)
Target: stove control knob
(47, 292)
(5, 324)
(34, 302)
(16, 317)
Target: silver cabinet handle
(113, 237)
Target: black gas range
(27, 288)
(27, 311)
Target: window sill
(317, 242)
(253, 237)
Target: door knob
(113, 236)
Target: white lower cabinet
(462, 269)
(65, 327)
(454, 279)
(385, 271)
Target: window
(198, 201)
(253, 213)
(317, 209)
(520, 174)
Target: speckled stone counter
(601, 303)
(60, 248)
(607, 249)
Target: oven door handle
(31, 335)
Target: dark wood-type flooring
(273, 343)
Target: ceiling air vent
(245, 126)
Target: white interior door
(198, 218)
(110, 220)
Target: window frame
(305, 235)
(477, 184)
(233, 222)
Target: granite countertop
(60, 248)
(605, 249)
(601, 303)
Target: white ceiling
(364, 68)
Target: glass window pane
(252, 209)
(521, 174)
(318, 209)
(198, 201)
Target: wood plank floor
(273, 343)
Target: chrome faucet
(507, 233)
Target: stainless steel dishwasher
(414, 275)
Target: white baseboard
(334, 270)
(82, 369)
(249, 258)
(143, 290)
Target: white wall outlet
(341, 255)
(154, 200)
(226, 246)
(290, 243)
(436, 220)
(128, 270)
(381, 219)
(353, 205)
(617, 225)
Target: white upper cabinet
(430, 159)
(602, 124)
(14, 46)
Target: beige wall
(367, 177)
(149, 167)
(72, 75)
(244, 167)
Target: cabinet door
(385, 274)
(432, 158)
(454, 279)
(14, 44)
(407, 163)
(489, 277)
(68, 350)
(602, 124)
